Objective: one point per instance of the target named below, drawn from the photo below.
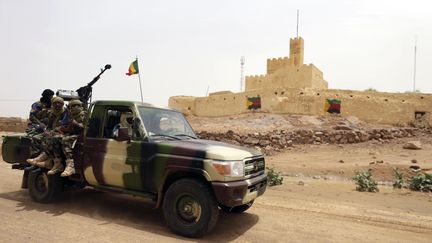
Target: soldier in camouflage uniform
(76, 116)
(38, 120)
(52, 137)
(38, 112)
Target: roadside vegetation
(421, 182)
(274, 178)
(365, 182)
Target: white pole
(297, 21)
(242, 62)
(415, 64)
(139, 78)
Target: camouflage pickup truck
(159, 157)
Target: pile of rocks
(280, 139)
(12, 124)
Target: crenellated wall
(288, 72)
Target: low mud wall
(12, 124)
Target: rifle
(85, 92)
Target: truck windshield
(165, 124)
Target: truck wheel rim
(188, 209)
(42, 183)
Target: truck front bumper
(235, 193)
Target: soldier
(74, 127)
(126, 120)
(52, 137)
(38, 120)
(39, 111)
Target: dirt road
(324, 209)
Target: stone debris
(272, 141)
(413, 145)
(414, 161)
(415, 167)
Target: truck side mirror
(123, 134)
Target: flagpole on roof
(139, 78)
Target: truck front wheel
(190, 208)
(42, 187)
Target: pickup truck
(158, 157)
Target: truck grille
(254, 166)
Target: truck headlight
(229, 168)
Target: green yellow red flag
(133, 68)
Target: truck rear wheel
(42, 187)
(190, 208)
(237, 209)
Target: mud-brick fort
(292, 87)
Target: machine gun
(85, 92)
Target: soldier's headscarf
(75, 107)
(47, 95)
(57, 100)
(126, 119)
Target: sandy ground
(324, 209)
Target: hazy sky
(186, 46)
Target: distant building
(292, 87)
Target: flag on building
(253, 103)
(133, 68)
(333, 106)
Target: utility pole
(415, 64)
(298, 13)
(242, 62)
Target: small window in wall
(419, 115)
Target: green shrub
(364, 181)
(421, 182)
(274, 178)
(398, 183)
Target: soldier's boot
(58, 166)
(45, 164)
(70, 168)
(41, 157)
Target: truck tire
(190, 208)
(237, 209)
(42, 187)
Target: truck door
(107, 161)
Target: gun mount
(84, 93)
